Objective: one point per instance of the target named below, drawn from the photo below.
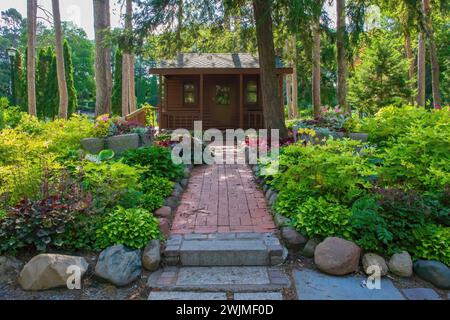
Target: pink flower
(437, 107)
(324, 109)
(337, 109)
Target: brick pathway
(222, 198)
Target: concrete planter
(93, 145)
(120, 144)
(358, 136)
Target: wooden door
(221, 101)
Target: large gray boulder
(400, 264)
(372, 259)
(337, 256)
(93, 145)
(121, 143)
(119, 265)
(152, 255)
(9, 269)
(46, 271)
(292, 238)
(433, 271)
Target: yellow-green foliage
(16, 146)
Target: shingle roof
(214, 60)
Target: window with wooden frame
(251, 92)
(223, 95)
(189, 93)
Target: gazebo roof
(214, 60)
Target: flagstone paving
(313, 285)
(220, 199)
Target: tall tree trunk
(341, 55)
(178, 40)
(61, 75)
(316, 69)
(31, 55)
(410, 56)
(125, 84)
(421, 70)
(108, 61)
(103, 77)
(433, 54)
(288, 80)
(271, 95)
(294, 78)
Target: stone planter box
(358, 136)
(119, 144)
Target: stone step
(200, 296)
(219, 279)
(224, 249)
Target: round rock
(46, 271)
(119, 265)
(292, 238)
(337, 256)
(164, 212)
(400, 264)
(310, 247)
(433, 271)
(371, 260)
(152, 255)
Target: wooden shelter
(222, 90)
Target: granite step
(219, 279)
(224, 249)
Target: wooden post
(281, 80)
(241, 101)
(201, 96)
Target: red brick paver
(222, 198)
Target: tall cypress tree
(52, 97)
(19, 82)
(43, 105)
(116, 102)
(72, 92)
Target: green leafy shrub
(11, 115)
(156, 161)
(334, 168)
(17, 147)
(80, 233)
(387, 221)
(420, 158)
(323, 217)
(109, 182)
(391, 122)
(133, 228)
(158, 185)
(151, 201)
(433, 243)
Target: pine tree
(117, 84)
(72, 92)
(381, 78)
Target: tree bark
(341, 55)
(178, 40)
(421, 71)
(128, 85)
(433, 54)
(103, 77)
(294, 78)
(31, 55)
(316, 69)
(410, 56)
(271, 95)
(60, 70)
(125, 84)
